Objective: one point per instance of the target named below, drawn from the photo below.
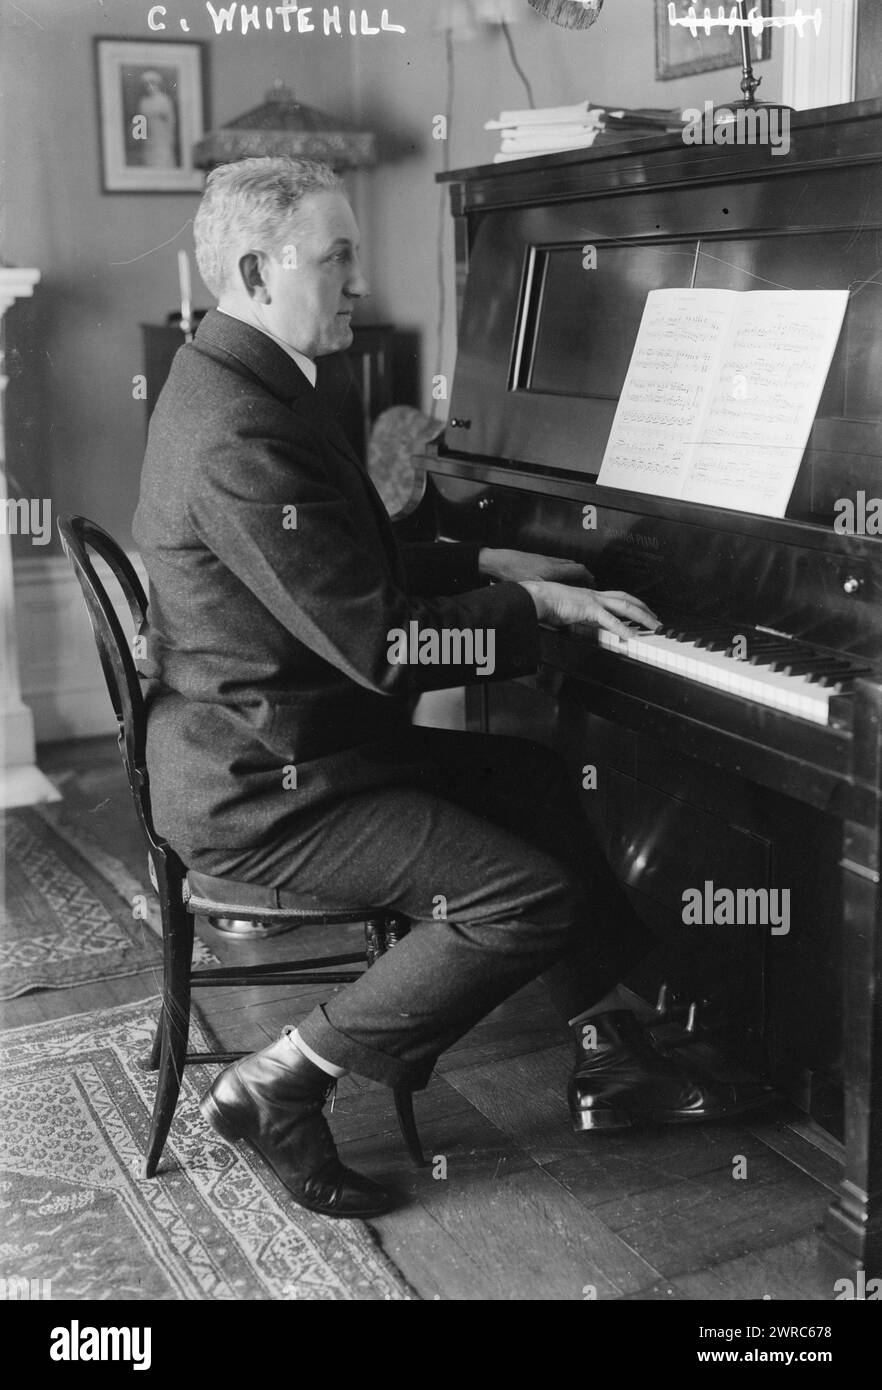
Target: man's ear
(252, 268)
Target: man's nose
(357, 286)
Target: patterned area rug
(215, 1224)
(69, 914)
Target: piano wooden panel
(544, 343)
(694, 782)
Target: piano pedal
(665, 1000)
(668, 1008)
(676, 1025)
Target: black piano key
(724, 636)
(833, 668)
(839, 669)
(804, 655)
(769, 655)
(749, 657)
(803, 668)
(842, 678)
(770, 646)
(790, 653)
(780, 665)
(814, 660)
(693, 634)
(754, 653)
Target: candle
(186, 292)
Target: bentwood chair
(183, 894)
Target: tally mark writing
(754, 21)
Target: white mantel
(21, 781)
(15, 283)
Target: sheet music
(677, 355)
(765, 400)
(721, 394)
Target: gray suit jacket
(271, 691)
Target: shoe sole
(219, 1122)
(589, 1120)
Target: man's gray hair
(248, 206)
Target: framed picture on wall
(151, 111)
(679, 54)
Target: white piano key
(793, 694)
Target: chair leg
(151, 1062)
(173, 1029)
(404, 1109)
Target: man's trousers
(489, 854)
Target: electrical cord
(503, 24)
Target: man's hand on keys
(561, 605)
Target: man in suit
(289, 634)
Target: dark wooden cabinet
(380, 369)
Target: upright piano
(774, 782)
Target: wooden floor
(527, 1209)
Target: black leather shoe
(622, 1077)
(274, 1099)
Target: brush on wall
(572, 14)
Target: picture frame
(152, 109)
(678, 54)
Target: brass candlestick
(749, 79)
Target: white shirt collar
(306, 364)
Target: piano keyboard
(776, 671)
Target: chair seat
(227, 897)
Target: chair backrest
(80, 538)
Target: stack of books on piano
(550, 129)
